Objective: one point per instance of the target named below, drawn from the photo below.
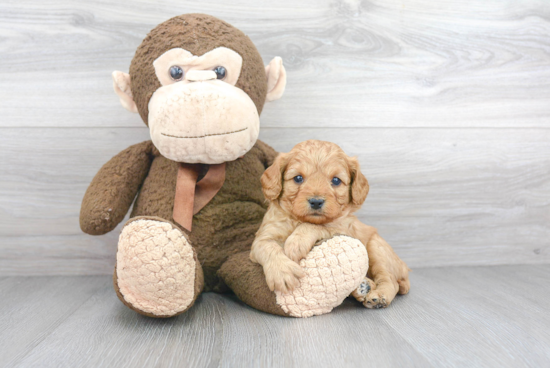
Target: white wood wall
(446, 104)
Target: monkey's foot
(334, 269)
(157, 272)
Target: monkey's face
(200, 85)
(198, 115)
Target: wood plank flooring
(491, 316)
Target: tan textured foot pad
(155, 268)
(334, 269)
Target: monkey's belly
(222, 230)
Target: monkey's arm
(114, 188)
(268, 153)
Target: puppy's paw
(296, 247)
(375, 300)
(283, 274)
(360, 294)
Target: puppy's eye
(298, 179)
(336, 181)
(176, 73)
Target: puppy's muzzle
(316, 203)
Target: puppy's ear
(359, 184)
(272, 178)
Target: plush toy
(199, 84)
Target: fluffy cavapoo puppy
(313, 192)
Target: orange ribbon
(193, 195)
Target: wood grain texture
(475, 317)
(31, 308)
(439, 196)
(348, 338)
(350, 63)
(445, 103)
(453, 317)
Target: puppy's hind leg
(404, 285)
(388, 271)
(383, 294)
(360, 294)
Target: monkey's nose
(316, 202)
(200, 75)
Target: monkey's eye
(220, 72)
(336, 181)
(176, 73)
(298, 179)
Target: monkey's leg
(333, 269)
(157, 272)
(247, 280)
(389, 273)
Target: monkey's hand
(114, 188)
(282, 274)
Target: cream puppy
(313, 192)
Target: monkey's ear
(276, 79)
(272, 178)
(122, 87)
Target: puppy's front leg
(281, 273)
(302, 239)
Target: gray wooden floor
(490, 316)
(445, 103)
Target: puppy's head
(316, 182)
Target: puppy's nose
(316, 203)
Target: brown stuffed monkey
(199, 84)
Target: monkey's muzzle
(203, 122)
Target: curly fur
(291, 227)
